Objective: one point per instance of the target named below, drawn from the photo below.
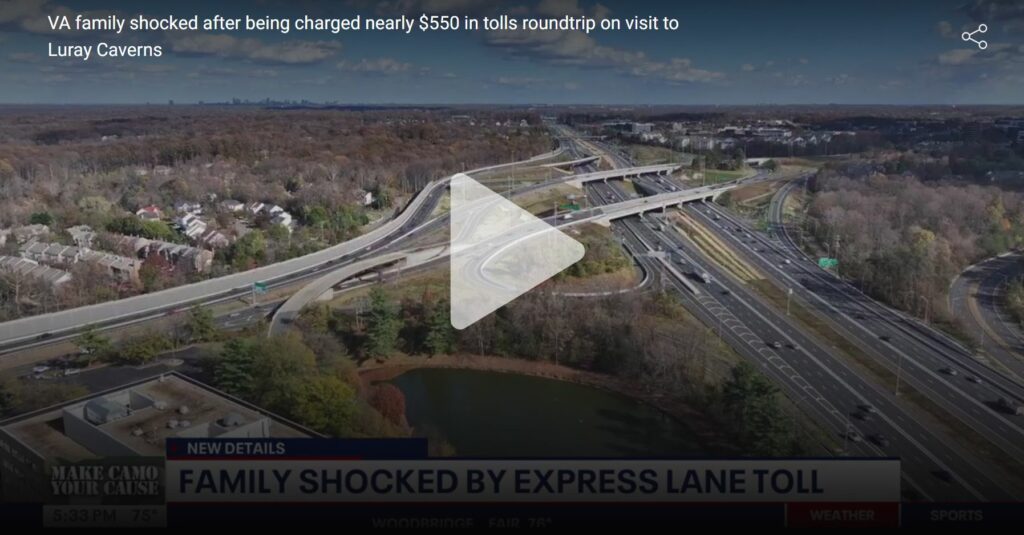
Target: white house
(232, 205)
(255, 207)
(186, 207)
(191, 226)
(284, 219)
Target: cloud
(559, 8)
(747, 67)
(990, 11)
(31, 16)
(578, 49)
(24, 57)
(959, 56)
(456, 7)
(1008, 13)
(519, 81)
(227, 46)
(1002, 55)
(19, 10)
(840, 79)
(381, 66)
(230, 72)
(945, 29)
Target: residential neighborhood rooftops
(31, 269)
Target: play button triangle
(498, 251)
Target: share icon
(969, 36)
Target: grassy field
(648, 155)
(543, 201)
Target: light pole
(789, 297)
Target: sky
(724, 52)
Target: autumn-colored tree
(389, 400)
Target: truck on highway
(704, 277)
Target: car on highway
(1010, 406)
(776, 344)
(975, 379)
(879, 440)
(884, 337)
(950, 371)
(854, 437)
(944, 475)
(870, 409)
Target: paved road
(936, 366)
(45, 329)
(820, 382)
(976, 298)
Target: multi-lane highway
(929, 361)
(832, 391)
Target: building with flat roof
(134, 420)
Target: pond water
(492, 414)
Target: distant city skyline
(725, 52)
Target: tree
(389, 400)
(751, 406)
(383, 325)
(94, 345)
(282, 365)
(141, 350)
(154, 273)
(41, 218)
(248, 251)
(201, 326)
(440, 335)
(234, 368)
(326, 404)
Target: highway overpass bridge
(573, 163)
(323, 287)
(605, 214)
(623, 173)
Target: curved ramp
(290, 309)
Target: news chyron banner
(391, 483)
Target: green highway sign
(828, 263)
(259, 287)
(574, 207)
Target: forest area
(904, 240)
(55, 160)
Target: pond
(492, 414)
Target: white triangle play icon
(498, 251)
